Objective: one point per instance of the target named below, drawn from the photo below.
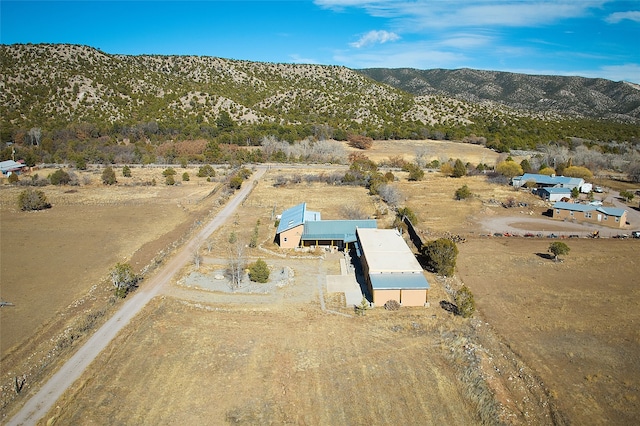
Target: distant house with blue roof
(545, 181)
(607, 216)
(554, 194)
(301, 227)
(8, 167)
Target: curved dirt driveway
(521, 224)
(40, 403)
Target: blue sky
(590, 38)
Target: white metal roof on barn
(387, 252)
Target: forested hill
(572, 96)
(92, 94)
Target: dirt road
(38, 405)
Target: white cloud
(297, 59)
(615, 18)
(465, 41)
(422, 14)
(375, 37)
(413, 55)
(626, 72)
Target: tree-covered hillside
(70, 99)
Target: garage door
(413, 297)
(380, 297)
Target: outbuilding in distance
(390, 268)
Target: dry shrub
(392, 305)
(360, 142)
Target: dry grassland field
(551, 343)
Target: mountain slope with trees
(572, 96)
(64, 99)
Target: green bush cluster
(259, 271)
(31, 199)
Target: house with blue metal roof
(291, 225)
(554, 194)
(8, 167)
(301, 227)
(601, 215)
(543, 181)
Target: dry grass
(573, 322)
(294, 366)
(435, 150)
(272, 360)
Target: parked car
(635, 234)
(597, 189)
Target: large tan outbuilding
(391, 270)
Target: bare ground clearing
(575, 322)
(262, 366)
(434, 150)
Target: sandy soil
(574, 322)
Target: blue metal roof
(609, 211)
(399, 281)
(550, 180)
(292, 217)
(339, 230)
(562, 205)
(554, 190)
(10, 165)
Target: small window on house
(587, 215)
(285, 239)
(571, 213)
(617, 219)
(557, 211)
(605, 217)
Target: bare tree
(236, 265)
(209, 245)
(422, 156)
(35, 133)
(197, 258)
(390, 194)
(353, 212)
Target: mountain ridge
(567, 95)
(55, 86)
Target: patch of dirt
(264, 366)
(574, 323)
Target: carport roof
(338, 230)
(412, 281)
